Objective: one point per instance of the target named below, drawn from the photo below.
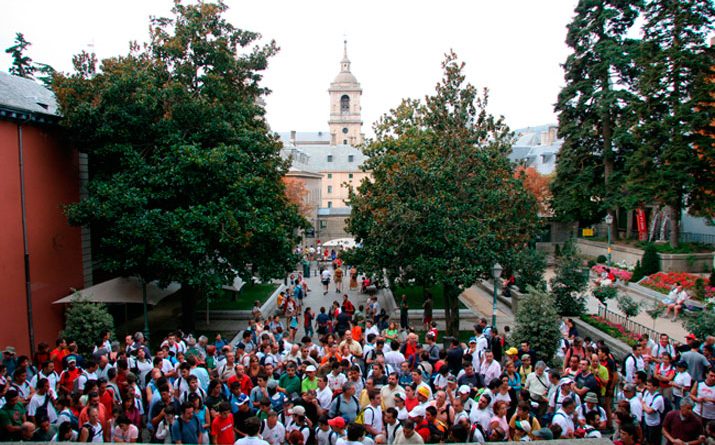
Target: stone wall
(685, 262)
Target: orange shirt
(84, 418)
(222, 429)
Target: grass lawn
(231, 301)
(415, 296)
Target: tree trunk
(629, 224)
(674, 226)
(451, 309)
(189, 295)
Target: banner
(642, 226)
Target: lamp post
(609, 222)
(496, 273)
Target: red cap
(337, 422)
(690, 336)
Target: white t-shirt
(325, 397)
(325, 275)
(564, 421)
(373, 417)
(255, 440)
(131, 434)
(275, 435)
(654, 401)
(681, 379)
(37, 401)
(481, 416)
(707, 409)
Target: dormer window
(351, 158)
(330, 158)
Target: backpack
(92, 431)
(41, 411)
(623, 363)
(75, 384)
(667, 407)
(340, 399)
(360, 419)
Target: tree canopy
(185, 175)
(443, 204)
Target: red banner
(642, 226)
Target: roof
(306, 137)
(339, 158)
(334, 211)
(25, 96)
(122, 290)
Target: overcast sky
(512, 47)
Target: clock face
(345, 131)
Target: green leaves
(85, 323)
(538, 323)
(443, 204)
(186, 176)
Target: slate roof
(18, 94)
(340, 161)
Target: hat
(399, 395)
(544, 433)
(424, 391)
(523, 425)
(71, 358)
(310, 368)
(464, 389)
(9, 350)
(591, 398)
(298, 411)
(242, 400)
(512, 351)
(473, 340)
(337, 422)
(690, 336)
(451, 378)
(417, 411)
(525, 356)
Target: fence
(628, 325)
(704, 238)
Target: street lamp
(496, 273)
(609, 222)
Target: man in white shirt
(272, 431)
(42, 400)
(47, 372)
(482, 413)
(564, 418)
(394, 357)
(630, 394)
(388, 391)
(373, 414)
(491, 369)
(653, 406)
(633, 363)
(324, 394)
(251, 426)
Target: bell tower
(345, 122)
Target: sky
(514, 48)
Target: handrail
(628, 324)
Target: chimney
(292, 137)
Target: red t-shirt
(223, 430)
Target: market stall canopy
(122, 290)
(347, 243)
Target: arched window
(345, 104)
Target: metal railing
(704, 238)
(628, 324)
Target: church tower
(345, 91)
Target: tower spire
(345, 63)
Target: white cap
(310, 368)
(464, 389)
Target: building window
(345, 142)
(345, 104)
(345, 130)
(330, 176)
(351, 158)
(323, 224)
(330, 204)
(330, 189)
(330, 158)
(350, 176)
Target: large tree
(22, 64)
(674, 165)
(443, 204)
(594, 111)
(185, 174)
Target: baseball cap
(424, 391)
(337, 422)
(417, 411)
(399, 395)
(464, 389)
(310, 368)
(512, 351)
(9, 350)
(591, 398)
(691, 336)
(299, 411)
(242, 399)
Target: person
(653, 407)
(12, 416)
(325, 276)
(338, 278)
(681, 383)
(681, 426)
(703, 394)
(92, 430)
(427, 311)
(678, 297)
(407, 435)
(523, 423)
(125, 431)
(353, 278)
(697, 363)
(187, 428)
(564, 418)
(251, 427)
(404, 312)
(222, 432)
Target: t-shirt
(291, 384)
(687, 429)
(681, 379)
(654, 401)
(128, 436)
(251, 440)
(223, 430)
(11, 416)
(186, 432)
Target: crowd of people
(350, 375)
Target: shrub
(591, 263)
(569, 283)
(538, 322)
(628, 306)
(701, 325)
(530, 266)
(602, 259)
(637, 273)
(650, 261)
(699, 289)
(85, 322)
(604, 293)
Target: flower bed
(664, 281)
(613, 329)
(621, 274)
